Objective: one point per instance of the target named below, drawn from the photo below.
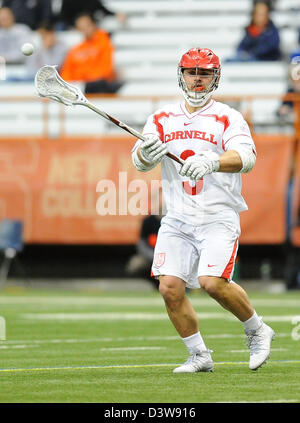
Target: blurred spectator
(270, 3)
(286, 110)
(30, 12)
(70, 9)
(261, 41)
(52, 51)
(12, 37)
(92, 60)
(140, 263)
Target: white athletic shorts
(188, 251)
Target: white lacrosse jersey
(216, 127)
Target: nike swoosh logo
(189, 123)
(211, 265)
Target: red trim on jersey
(222, 119)
(158, 125)
(228, 269)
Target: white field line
(6, 347)
(111, 316)
(117, 316)
(247, 351)
(132, 366)
(132, 301)
(115, 301)
(146, 348)
(126, 339)
(132, 348)
(283, 318)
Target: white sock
(253, 323)
(194, 343)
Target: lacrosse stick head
(49, 84)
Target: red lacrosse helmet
(199, 58)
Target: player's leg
(175, 263)
(185, 321)
(215, 271)
(178, 306)
(233, 298)
(229, 294)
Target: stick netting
(49, 84)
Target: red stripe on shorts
(228, 269)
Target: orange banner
(51, 186)
(295, 232)
(265, 190)
(58, 189)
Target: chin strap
(196, 102)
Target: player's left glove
(200, 164)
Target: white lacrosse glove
(201, 164)
(153, 150)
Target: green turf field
(119, 347)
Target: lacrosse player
(198, 239)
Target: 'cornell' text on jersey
(183, 135)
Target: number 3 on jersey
(189, 189)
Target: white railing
(32, 116)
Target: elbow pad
(247, 155)
(139, 165)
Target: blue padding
(11, 234)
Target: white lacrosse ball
(27, 49)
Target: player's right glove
(201, 164)
(153, 150)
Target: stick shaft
(126, 128)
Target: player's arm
(230, 162)
(240, 154)
(240, 159)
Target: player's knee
(210, 284)
(171, 289)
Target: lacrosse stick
(49, 84)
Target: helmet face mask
(199, 61)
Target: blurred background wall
(52, 157)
